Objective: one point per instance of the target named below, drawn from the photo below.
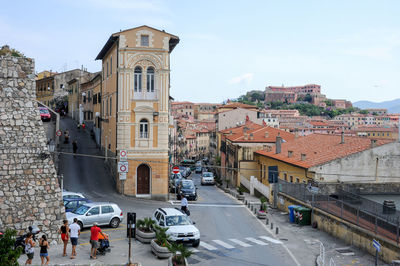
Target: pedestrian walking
(83, 126)
(74, 146)
(184, 205)
(29, 251)
(44, 246)
(75, 231)
(64, 231)
(78, 127)
(94, 240)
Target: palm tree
(180, 252)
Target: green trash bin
(304, 216)
(296, 211)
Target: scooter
(20, 241)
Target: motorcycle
(20, 241)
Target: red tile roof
(320, 149)
(262, 134)
(235, 105)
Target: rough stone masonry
(29, 189)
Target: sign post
(377, 246)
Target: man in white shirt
(75, 231)
(184, 204)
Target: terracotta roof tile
(260, 134)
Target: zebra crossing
(233, 243)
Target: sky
(350, 48)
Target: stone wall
(29, 189)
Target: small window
(138, 79)
(285, 176)
(297, 180)
(144, 129)
(144, 40)
(107, 69)
(150, 79)
(291, 179)
(110, 65)
(94, 211)
(106, 209)
(110, 106)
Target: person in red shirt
(94, 240)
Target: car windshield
(81, 210)
(207, 174)
(44, 111)
(177, 220)
(187, 185)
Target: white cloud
(245, 78)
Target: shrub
(179, 253)
(145, 225)
(8, 254)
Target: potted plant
(227, 180)
(179, 254)
(159, 245)
(145, 231)
(240, 196)
(262, 213)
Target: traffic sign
(122, 176)
(123, 155)
(122, 167)
(376, 245)
(175, 170)
(58, 133)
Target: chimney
(303, 156)
(278, 144)
(342, 138)
(251, 136)
(289, 154)
(266, 134)
(373, 143)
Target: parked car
(72, 204)
(44, 114)
(187, 188)
(198, 169)
(198, 163)
(174, 181)
(188, 171)
(205, 160)
(72, 195)
(207, 178)
(104, 213)
(180, 227)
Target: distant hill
(392, 106)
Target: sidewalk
(305, 242)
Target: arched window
(144, 129)
(150, 79)
(138, 79)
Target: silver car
(104, 213)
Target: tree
(363, 112)
(8, 254)
(308, 98)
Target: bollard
(267, 221)
(272, 225)
(276, 230)
(251, 207)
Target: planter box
(171, 264)
(240, 197)
(144, 237)
(160, 252)
(261, 215)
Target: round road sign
(122, 168)
(175, 170)
(58, 133)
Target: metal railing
(351, 207)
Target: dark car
(198, 169)
(205, 160)
(174, 181)
(72, 204)
(187, 188)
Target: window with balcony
(138, 79)
(144, 129)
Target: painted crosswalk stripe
(194, 250)
(240, 242)
(258, 242)
(207, 246)
(272, 240)
(222, 243)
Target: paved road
(230, 235)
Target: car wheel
(196, 243)
(80, 225)
(114, 222)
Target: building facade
(135, 104)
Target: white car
(180, 227)
(207, 178)
(72, 195)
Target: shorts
(64, 237)
(95, 243)
(44, 254)
(74, 241)
(30, 255)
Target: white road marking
(194, 250)
(207, 246)
(272, 240)
(222, 243)
(240, 242)
(258, 242)
(210, 205)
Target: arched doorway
(143, 179)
